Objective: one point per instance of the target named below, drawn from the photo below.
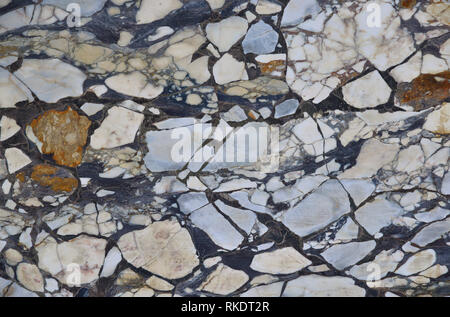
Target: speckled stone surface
(254, 148)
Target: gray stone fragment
(286, 108)
(344, 255)
(260, 39)
(432, 233)
(318, 210)
(192, 201)
(297, 10)
(445, 187)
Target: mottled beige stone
(224, 280)
(163, 248)
(30, 277)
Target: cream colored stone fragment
(75, 262)
(134, 84)
(216, 4)
(8, 128)
(281, 261)
(409, 70)
(159, 284)
(119, 128)
(125, 38)
(12, 90)
(228, 69)
(417, 262)
(153, 10)
(13, 257)
(16, 159)
(90, 54)
(439, 120)
(368, 91)
(163, 248)
(30, 277)
(226, 33)
(224, 280)
(322, 286)
(373, 156)
(433, 65)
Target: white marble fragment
(190, 202)
(51, 79)
(359, 189)
(377, 214)
(329, 201)
(435, 214)
(409, 70)
(244, 219)
(386, 261)
(373, 156)
(216, 227)
(433, 65)
(266, 7)
(91, 108)
(227, 69)
(8, 128)
(112, 259)
(12, 90)
(307, 131)
(226, 33)
(281, 261)
(323, 286)
(16, 159)
(344, 255)
(384, 42)
(297, 10)
(368, 91)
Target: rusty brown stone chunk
(407, 4)
(425, 91)
(63, 134)
(272, 66)
(21, 177)
(45, 176)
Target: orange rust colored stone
(251, 115)
(425, 87)
(63, 134)
(44, 175)
(271, 66)
(21, 177)
(407, 4)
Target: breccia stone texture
(116, 125)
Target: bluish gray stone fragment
(286, 108)
(260, 39)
